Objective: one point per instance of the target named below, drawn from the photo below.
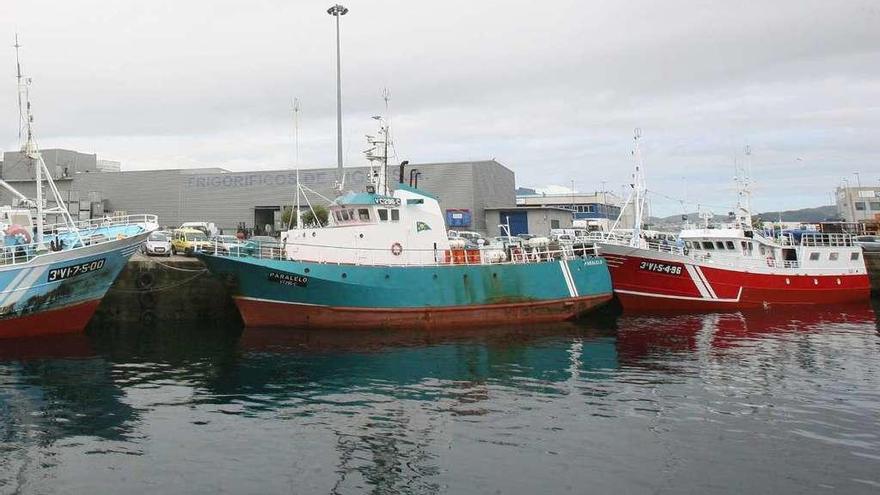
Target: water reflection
(527, 409)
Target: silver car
(869, 243)
(157, 244)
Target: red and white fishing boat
(730, 267)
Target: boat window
(383, 214)
(751, 247)
(719, 244)
(729, 245)
(854, 256)
(687, 244)
(762, 250)
(337, 215)
(708, 245)
(814, 256)
(395, 215)
(363, 214)
(345, 216)
(832, 256)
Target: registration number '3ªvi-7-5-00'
(71, 271)
(660, 267)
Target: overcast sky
(550, 89)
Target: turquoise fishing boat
(385, 261)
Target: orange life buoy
(14, 230)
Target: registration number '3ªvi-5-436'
(660, 267)
(71, 271)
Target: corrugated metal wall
(229, 198)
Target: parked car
(869, 243)
(228, 244)
(188, 241)
(264, 246)
(208, 228)
(157, 244)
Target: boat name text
(388, 201)
(71, 271)
(660, 268)
(288, 279)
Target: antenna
(386, 95)
(17, 45)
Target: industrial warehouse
(474, 195)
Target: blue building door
(518, 221)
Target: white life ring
(396, 249)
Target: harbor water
(769, 402)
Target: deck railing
(407, 257)
(89, 231)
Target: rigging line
(685, 202)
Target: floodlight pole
(338, 11)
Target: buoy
(18, 230)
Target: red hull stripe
(66, 319)
(266, 313)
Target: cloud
(552, 91)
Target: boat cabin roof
(365, 199)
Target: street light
(338, 11)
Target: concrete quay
(174, 289)
(872, 260)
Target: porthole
(815, 281)
(307, 270)
(387, 276)
(435, 276)
(787, 281)
(361, 236)
(494, 275)
(838, 281)
(314, 234)
(344, 275)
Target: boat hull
(59, 292)
(273, 293)
(691, 286)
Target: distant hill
(805, 215)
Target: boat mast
(638, 186)
(30, 147)
(744, 192)
(386, 95)
(32, 152)
(296, 161)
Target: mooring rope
(160, 289)
(200, 270)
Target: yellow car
(188, 241)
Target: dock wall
(173, 289)
(873, 262)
